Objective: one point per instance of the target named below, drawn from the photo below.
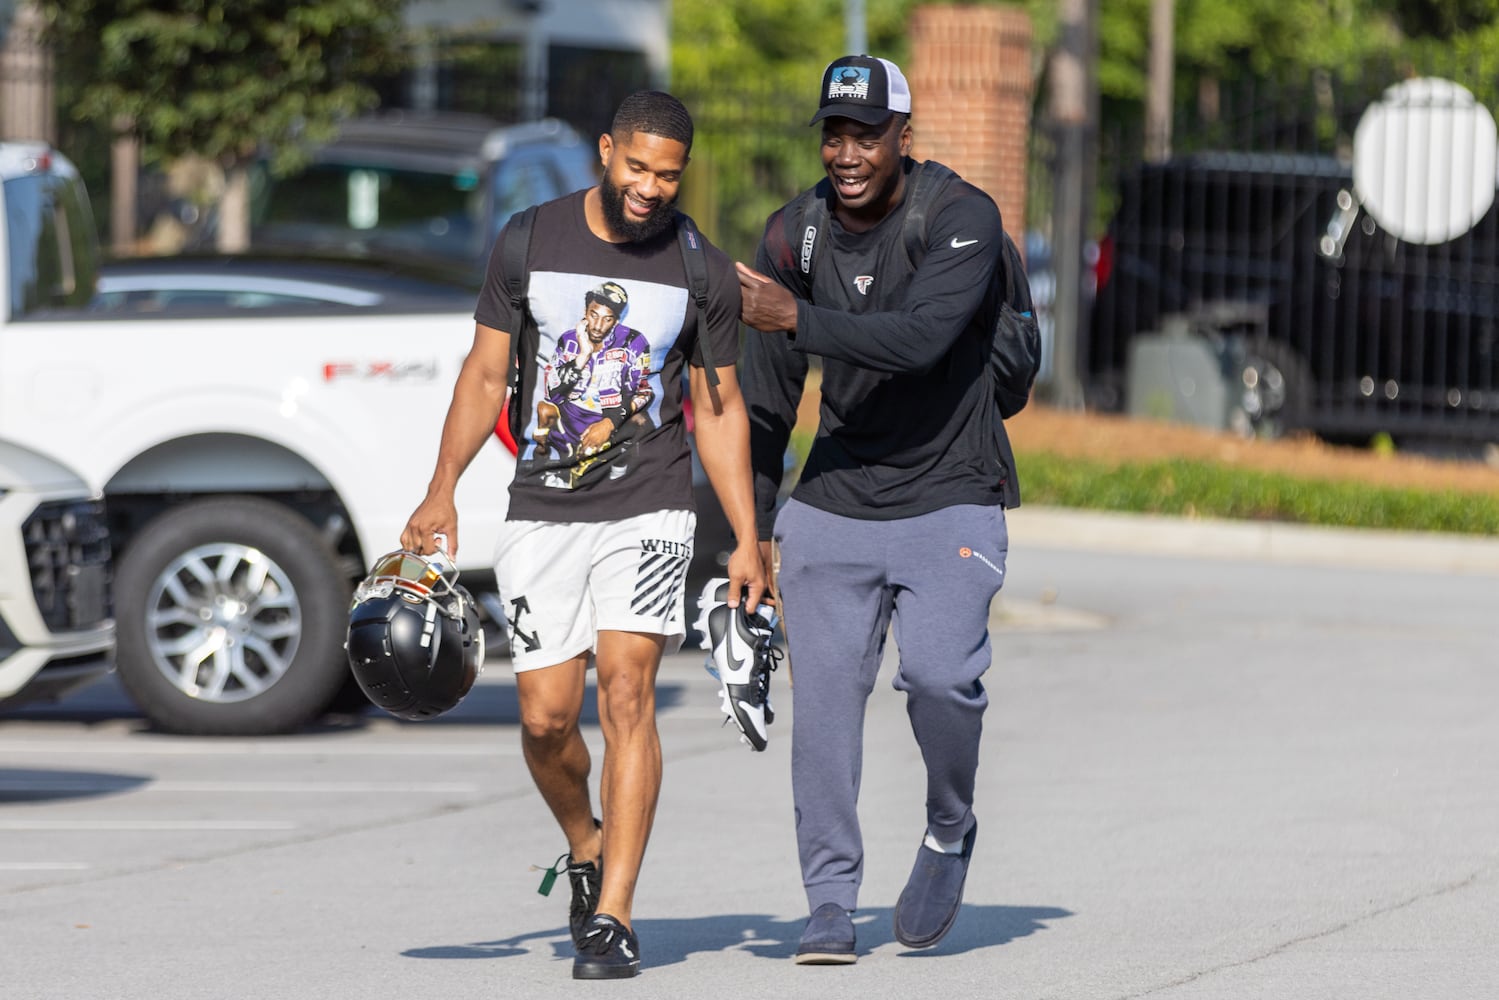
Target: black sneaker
(741, 656)
(586, 878)
(608, 950)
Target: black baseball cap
(865, 88)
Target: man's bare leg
(627, 663)
(551, 700)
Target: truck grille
(67, 551)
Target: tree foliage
(1229, 39)
(221, 78)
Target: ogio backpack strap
(695, 262)
(805, 222)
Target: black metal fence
(1320, 255)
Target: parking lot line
(142, 825)
(66, 784)
(250, 748)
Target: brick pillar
(970, 78)
(26, 100)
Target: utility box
(1180, 376)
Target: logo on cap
(849, 81)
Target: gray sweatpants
(843, 581)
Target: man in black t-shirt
(899, 515)
(593, 555)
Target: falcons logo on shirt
(862, 283)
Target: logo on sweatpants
(964, 552)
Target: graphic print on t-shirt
(598, 384)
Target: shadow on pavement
(488, 704)
(49, 785)
(667, 942)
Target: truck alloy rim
(223, 622)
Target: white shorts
(563, 583)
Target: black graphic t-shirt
(603, 436)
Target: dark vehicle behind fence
(1262, 271)
(1345, 296)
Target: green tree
(222, 79)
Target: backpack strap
(696, 265)
(805, 224)
(515, 249)
(924, 188)
(1017, 286)
(514, 253)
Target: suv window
(50, 230)
(427, 187)
(372, 210)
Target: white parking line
(64, 785)
(250, 748)
(142, 825)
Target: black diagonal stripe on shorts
(656, 583)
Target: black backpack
(1015, 352)
(514, 254)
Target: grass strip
(1192, 488)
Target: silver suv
(411, 186)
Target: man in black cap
(899, 515)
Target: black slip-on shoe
(929, 904)
(828, 939)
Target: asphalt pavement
(1221, 761)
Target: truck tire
(1275, 389)
(231, 615)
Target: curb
(1268, 541)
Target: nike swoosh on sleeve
(956, 245)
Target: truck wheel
(231, 616)
(1275, 390)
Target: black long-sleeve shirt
(907, 420)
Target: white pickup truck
(252, 466)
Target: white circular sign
(1424, 160)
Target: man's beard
(633, 230)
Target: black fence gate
(1323, 256)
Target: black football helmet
(415, 643)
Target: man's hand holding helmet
(437, 515)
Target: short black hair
(655, 113)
